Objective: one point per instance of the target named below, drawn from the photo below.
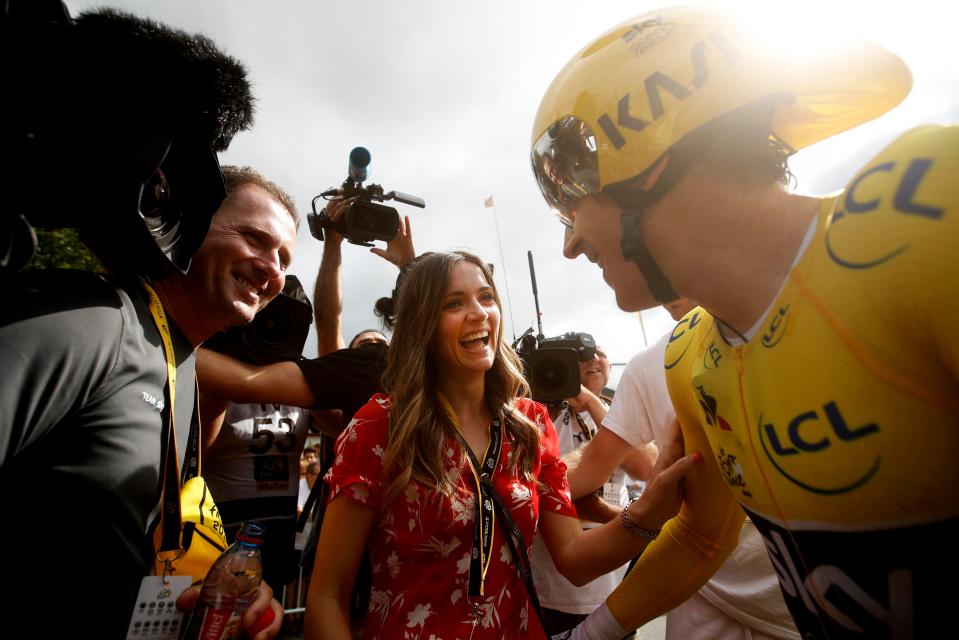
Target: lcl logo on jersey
(712, 355)
(859, 199)
(676, 342)
(813, 433)
(776, 329)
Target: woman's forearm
(326, 619)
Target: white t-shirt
(555, 591)
(304, 494)
(745, 588)
(641, 408)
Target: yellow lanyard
(170, 542)
(159, 318)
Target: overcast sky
(443, 95)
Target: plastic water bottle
(229, 589)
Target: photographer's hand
(335, 209)
(400, 249)
(589, 401)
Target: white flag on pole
(488, 202)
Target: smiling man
(85, 402)
(822, 371)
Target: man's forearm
(596, 462)
(328, 300)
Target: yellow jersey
(836, 426)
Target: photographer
(576, 420)
(87, 406)
(328, 290)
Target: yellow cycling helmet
(623, 101)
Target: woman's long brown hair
(418, 423)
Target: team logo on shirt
(776, 329)
(712, 355)
(869, 192)
(710, 408)
(679, 339)
(732, 471)
(819, 433)
(153, 401)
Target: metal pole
(509, 300)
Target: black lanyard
(491, 504)
(486, 511)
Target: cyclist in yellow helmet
(821, 370)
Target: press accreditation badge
(155, 615)
(615, 493)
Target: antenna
(532, 277)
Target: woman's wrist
(632, 521)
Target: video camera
(277, 333)
(552, 364)
(365, 221)
(135, 162)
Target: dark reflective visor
(566, 166)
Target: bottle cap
(251, 533)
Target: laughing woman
(405, 486)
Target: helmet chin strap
(634, 248)
(634, 203)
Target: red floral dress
(420, 546)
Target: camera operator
(328, 290)
(87, 406)
(576, 420)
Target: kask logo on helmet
(658, 81)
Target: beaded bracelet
(634, 528)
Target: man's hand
(589, 402)
(400, 249)
(335, 209)
(582, 401)
(260, 622)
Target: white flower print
(463, 564)
(360, 492)
(380, 603)
(463, 507)
(393, 562)
(440, 548)
(378, 451)
(505, 555)
(417, 617)
(520, 494)
(412, 492)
